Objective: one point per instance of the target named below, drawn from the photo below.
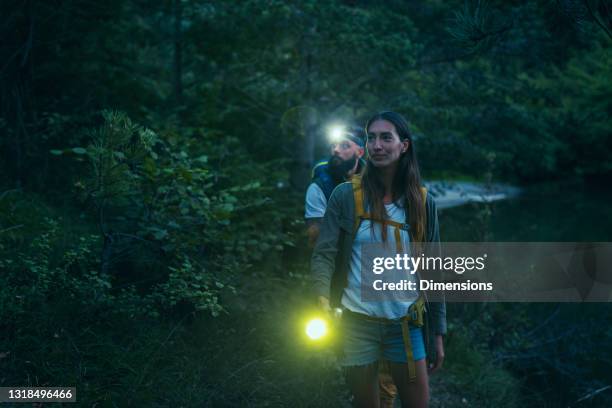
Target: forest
(154, 158)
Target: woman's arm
(437, 310)
(323, 260)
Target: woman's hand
(324, 304)
(439, 344)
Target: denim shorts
(366, 341)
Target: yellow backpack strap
(408, 348)
(424, 192)
(398, 238)
(358, 198)
(360, 214)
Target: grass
(250, 357)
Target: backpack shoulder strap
(358, 198)
(424, 192)
(359, 209)
(316, 167)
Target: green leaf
(150, 169)
(79, 150)
(160, 234)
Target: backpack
(321, 177)
(361, 215)
(415, 315)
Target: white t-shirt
(396, 306)
(316, 203)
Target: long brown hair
(406, 182)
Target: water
(553, 213)
(566, 357)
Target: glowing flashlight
(316, 329)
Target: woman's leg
(387, 388)
(412, 394)
(363, 384)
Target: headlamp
(339, 132)
(336, 133)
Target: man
(345, 161)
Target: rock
(452, 194)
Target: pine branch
(594, 17)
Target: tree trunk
(178, 52)
(300, 175)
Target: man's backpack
(321, 177)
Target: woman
(392, 197)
